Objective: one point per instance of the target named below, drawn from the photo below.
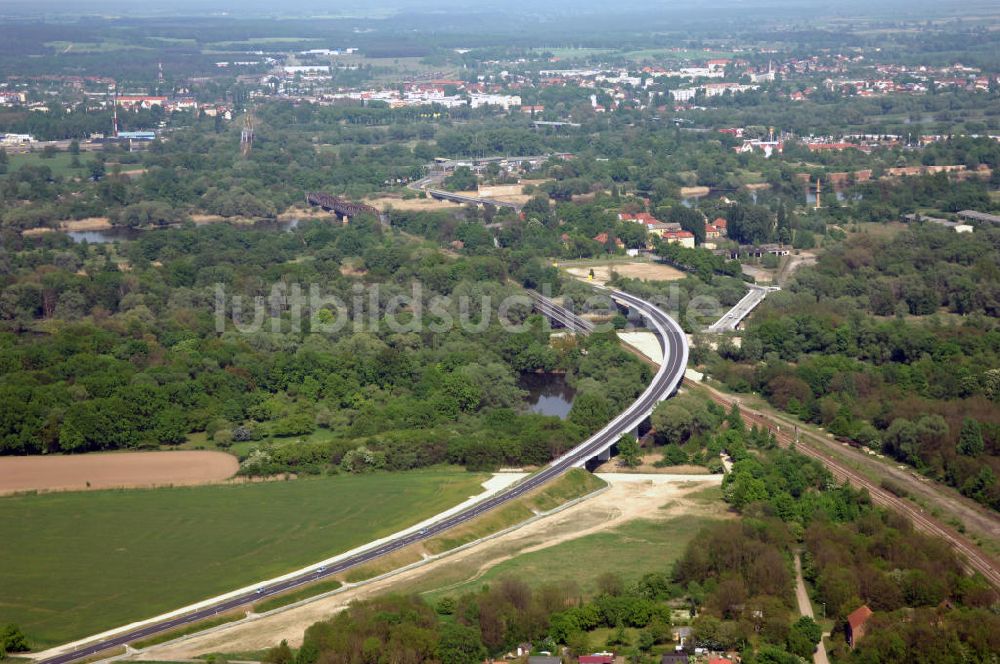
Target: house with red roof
(600, 658)
(857, 622)
(603, 239)
(638, 217)
(139, 101)
(683, 238)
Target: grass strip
(193, 628)
(305, 592)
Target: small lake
(110, 235)
(548, 393)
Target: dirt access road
(628, 497)
(645, 270)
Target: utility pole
(114, 116)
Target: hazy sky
(702, 9)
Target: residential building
(598, 658)
(8, 98)
(603, 239)
(134, 102)
(675, 658)
(504, 101)
(683, 238)
(719, 89)
(638, 217)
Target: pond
(548, 393)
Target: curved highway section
(664, 384)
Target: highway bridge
(597, 446)
(443, 195)
(560, 315)
(732, 318)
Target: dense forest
(119, 347)
(891, 342)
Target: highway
(474, 200)
(566, 318)
(742, 309)
(664, 383)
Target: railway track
(974, 559)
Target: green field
(73, 564)
(59, 163)
(262, 41)
(89, 47)
(643, 546)
(672, 54)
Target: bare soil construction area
(628, 498)
(635, 270)
(412, 204)
(114, 470)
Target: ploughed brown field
(114, 470)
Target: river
(119, 234)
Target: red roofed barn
(856, 622)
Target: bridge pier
(604, 455)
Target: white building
(684, 94)
(16, 139)
(306, 69)
(504, 101)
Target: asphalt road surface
(665, 382)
